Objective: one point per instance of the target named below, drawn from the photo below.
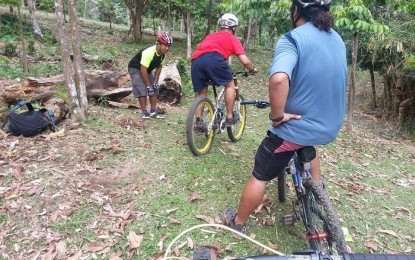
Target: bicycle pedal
(289, 220)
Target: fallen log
(108, 85)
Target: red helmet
(164, 38)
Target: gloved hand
(155, 85)
(150, 91)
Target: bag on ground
(30, 122)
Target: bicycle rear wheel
(236, 131)
(199, 134)
(324, 233)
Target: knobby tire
(236, 131)
(200, 143)
(321, 217)
(281, 186)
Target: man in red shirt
(209, 63)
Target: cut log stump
(170, 85)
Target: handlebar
(244, 73)
(311, 255)
(256, 103)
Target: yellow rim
(240, 130)
(209, 138)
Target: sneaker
(231, 121)
(200, 127)
(156, 115)
(145, 116)
(228, 219)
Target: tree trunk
(77, 58)
(66, 59)
(36, 29)
(189, 37)
(352, 87)
(23, 50)
(136, 7)
(373, 84)
(209, 24)
(169, 16)
(248, 35)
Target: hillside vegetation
(118, 187)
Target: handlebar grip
(347, 256)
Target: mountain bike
(312, 203)
(312, 206)
(201, 130)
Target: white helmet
(228, 21)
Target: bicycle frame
(299, 172)
(218, 116)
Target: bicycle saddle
(306, 154)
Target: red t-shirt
(222, 42)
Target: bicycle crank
(316, 235)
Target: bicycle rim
(324, 232)
(236, 131)
(199, 139)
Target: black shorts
(210, 67)
(270, 164)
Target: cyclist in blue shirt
(307, 92)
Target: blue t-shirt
(315, 62)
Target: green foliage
(46, 5)
(45, 69)
(409, 61)
(61, 92)
(111, 11)
(182, 64)
(356, 17)
(8, 69)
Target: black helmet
(308, 3)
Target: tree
(356, 18)
(136, 8)
(75, 88)
(36, 29)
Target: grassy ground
(117, 187)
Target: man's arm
(246, 62)
(144, 75)
(157, 73)
(278, 92)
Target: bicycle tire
(322, 219)
(281, 186)
(236, 131)
(200, 143)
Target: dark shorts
(210, 66)
(139, 88)
(269, 161)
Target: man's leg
(202, 93)
(153, 103)
(143, 103)
(251, 198)
(229, 98)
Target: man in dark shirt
(140, 68)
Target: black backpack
(31, 122)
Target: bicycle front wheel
(281, 186)
(324, 233)
(236, 131)
(200, 131)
